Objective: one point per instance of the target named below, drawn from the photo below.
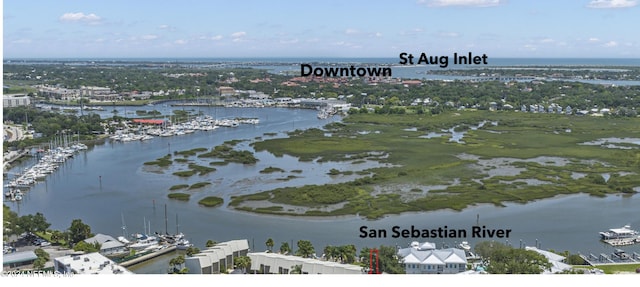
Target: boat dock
(622, 241)
(618, 257)
(146, 257)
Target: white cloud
(448, 34)
(149, 37)
(21, 41)
(611, 44)
(547, 40)
(351, 31)
(378, 34)
(612, 3)
(180, 42)
(216, 37)
(80, 17)
(238, 34)
(411, 32)
(593, 40)
(471, 3)
(287, 42)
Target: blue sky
(247, 28)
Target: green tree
(192, 250)
(57, 236)
(305, 249)
(210, 243)
(39, 263)
(285, 248)
(243, 262)
(78, 231)
(10, 221)
(388, 260)
(87, 247)
(176, 263)
(347, 253)
(269, 244)
(33, 223)
(503, 259)
(297, 269)
(40, 253)
(331, 252)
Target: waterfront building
(91, 263)
(426, 259)
(108, 244)
(216, 258)
(10, 101)
(557, 261)
(275, 263)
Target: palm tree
(176, 263)
(243, 262)
(269, 244)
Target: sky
(333, 28)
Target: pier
(148, 256)
(617, 258)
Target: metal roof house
(17, 259)
(426, 259)
(108, 244)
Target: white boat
(144, 242)
(183, 244)
(464, 245)
(619, 233)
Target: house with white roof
(557, 261)
(426, 259)
(108, 244)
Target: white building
(10, 101)
(275, 263)
(220, 256)
(426, 259)
(108, 244)
(92, 263)
(557, 261)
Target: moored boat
(619, 233)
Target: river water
(109, 183)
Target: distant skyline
(257, 29)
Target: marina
(99, 187)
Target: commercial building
(10, 101)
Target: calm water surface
(129, 190)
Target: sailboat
(144, 240)
(181, 242)
(123, 238)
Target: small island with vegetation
(211, 201)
